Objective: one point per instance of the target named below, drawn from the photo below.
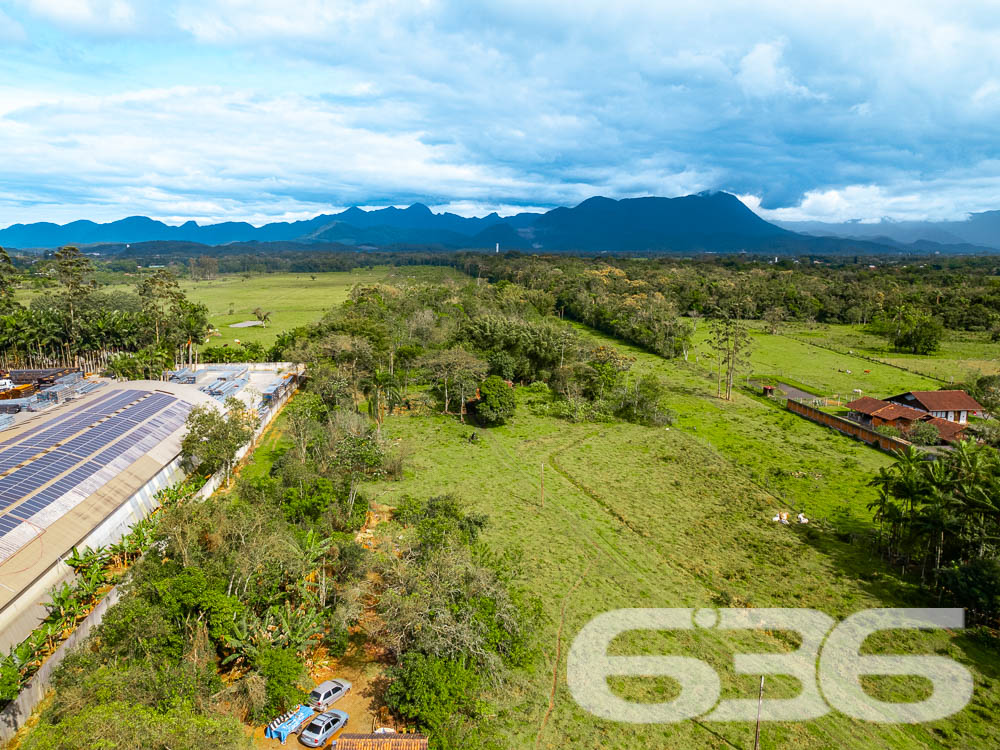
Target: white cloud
(10, 30)
(252, 106)
(762, 74)
(105, 16)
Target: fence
(847, 427)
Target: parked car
(322, 728)
(327, 693)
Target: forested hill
(707, 222)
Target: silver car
(327, 693)
(322, 728)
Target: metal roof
(66, 470)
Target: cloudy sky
(273, 109)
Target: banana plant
(297, 626)
(64, 604)
(245, 639)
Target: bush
(10, 681)
(123, 725)
(923, 433)
(282, 671)
(975, 586)
(496, 402)
(887, 430)
(431, 690)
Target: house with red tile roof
(955, 406)
(873, 412)
(388, 741)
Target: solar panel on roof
(113, 442)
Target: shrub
(128, 725)
(496, 402)
(282, 671)
(923, 433)
(887, 430)
(430, 689)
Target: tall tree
(72, 269)
(8, 281)
(161, 294)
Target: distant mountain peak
(712, 221)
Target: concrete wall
(846, 426)
(17, 712)
(17, 621)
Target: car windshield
(315, 727)
(314, 695)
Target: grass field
(652, 517)
(643, 517)
(293, 299)
(962, 355)
(823, 370)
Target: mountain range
(706, 222)
(979, 230)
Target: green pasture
(963, 354)
(647, 517)
(634, 516)
(827, 372)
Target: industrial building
(80, 474)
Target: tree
(496, 402)
(454, 370)
(161, 294)
(359, 456)
(72, 269)
(730, 339)
(214, 438)
(920, 334)
(774, 317)
(8, 282)
(262, 317)
(431, 690)
(923, 433)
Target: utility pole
(760, 700)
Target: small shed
(767, 390)
(390, 741)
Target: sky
(265, 110)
